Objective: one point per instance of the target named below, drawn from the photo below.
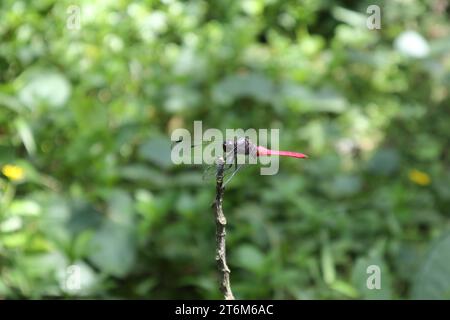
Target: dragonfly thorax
(239, 146)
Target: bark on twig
(221, 222)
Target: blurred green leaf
(350, 17)
(26, 135)
(251, 85)
(384, 162)
(157, 150)
(361, 274)
(249, 257)
(432, 281)
(45, 86)
(112, 249)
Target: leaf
(327, 263)
(412, 44)
(440, 46)
(344, 288)
(433, 279)
(14, 240)
(181, 98)
(384, 162)
(249, 257)
(89, 279)
(83, 216)
(157, 150)
(112, 249)
(45, 86)
(7, 154)
(343, 186)
(186, 204)
(360, 277)
(252, 85)
(25, 208)
(350, 17)
(142, 173)
(81, 244)
(45, 261)
(11, 102)
(26, 135)
(300, 98)
(120, 208)
(12, 224)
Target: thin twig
(221, 222)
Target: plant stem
(221, 223)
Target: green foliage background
(87, 115)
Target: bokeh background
(86, 178)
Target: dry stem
(221, 222)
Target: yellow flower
(419, 177)
(12, 172)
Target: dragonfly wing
(232, 174)
(209, 173)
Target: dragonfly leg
(235, 153)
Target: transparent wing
(232, 175)
(210, 171)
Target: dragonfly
(241, 146)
